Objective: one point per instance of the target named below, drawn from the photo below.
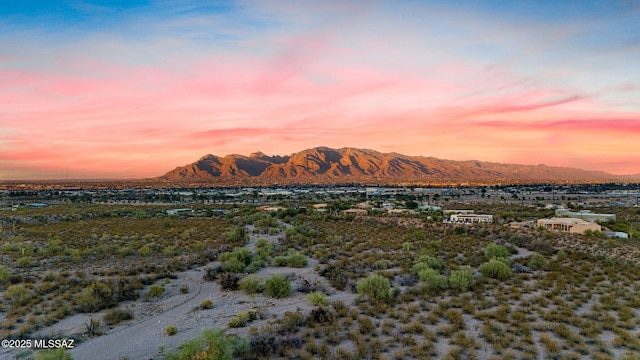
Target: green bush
(277, 286)
(116, 316)
(211, 344)
(171, 330)
(53, 354)
(376, 287)
(236, 261)
(494, 250)
(538, 262)
(206, 304)
(155, 291)
(495, 269)
(431, 262)
(95, 297)
(250, 284)
(280, 261)
(240, 320)
(4, 274)
(19, 294)
(297, 260)
(317, 298)
(462, 279)
(432, 279)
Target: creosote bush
(317, 298)
(95, 297)
(496, 269)
(277, 286)
(432, 279)
(376, 287)
(116, 316)
(538, 262)
(495, 250)
(155, 291)
(250, 284)
(462, 279)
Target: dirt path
(142, 337)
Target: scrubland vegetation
(422, 289)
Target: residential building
(585, 215)
(570, 225)
(470, 219)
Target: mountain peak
(324, 164)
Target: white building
(585, 215)
(179, 212)
(470, 219)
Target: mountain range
(351, 165)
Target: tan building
(570, 225)
(355, 211)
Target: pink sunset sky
(95, 91)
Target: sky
(103, 89)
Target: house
(470, 219)
(400, 211)
(355, 212)
(570, 225)
(179, 212)
(267, 208)
(585, 215)
(447, 212)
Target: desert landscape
(289, 279)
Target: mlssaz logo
(53, 343)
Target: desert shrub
(171, 330)
(297, 260)
(206, 304)
(155, 291)
(116, 316)
(211, 344)
(95, 297)
(25, 262)
(366, 325)
(495, 269)
(609, 261)
(495, 250)
(277, 286)
(538, 262)
(376, 287)
(250, 284)
(291, 321)
(184, 289)
(502, 259)
(280, 261)
(432, 279)
(561, 255)
(240, 320)
(127, 289)
(4, 274)
(237, 260)
(18, 294)
(321, 315)
(317, 298)
(234, 265)
(53, 354)
(229, 281)
(462, 279)
(381, 265)
(431, 262)
(459, 230)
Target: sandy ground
(142, 337)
